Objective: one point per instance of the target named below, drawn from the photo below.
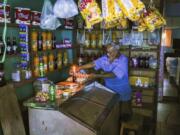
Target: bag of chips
(90, 12)
(131, 8)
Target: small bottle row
(44, 63)
(143, 61)
(12, 47)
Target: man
(115, 67)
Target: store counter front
(92, 110)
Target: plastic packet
(154, 38)
(90, 11)
(131, 8)
(48, 20)
(65, 8)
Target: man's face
(111, 53)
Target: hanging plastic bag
(90, 11)
(65, 8)
(48, 19)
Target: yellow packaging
(133, 80)
(90, 12)
(131, 8)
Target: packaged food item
(90, 11)
(131, 8)
(8, 9)
(35, 17)
(22, 15)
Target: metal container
(92, 111)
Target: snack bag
(131, 8)
(153, 19)
(90, 12)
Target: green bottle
(52, 93)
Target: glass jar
(41, 84)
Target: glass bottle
(65, 58)
(52, 92)
(93, 40)
(45, 61)
(41, 67)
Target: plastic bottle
(34, 41)
(36, 65)
(52, 92)
(49, 40)
(51, 62)
(44, 39)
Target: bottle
(55, 61)
(34, 41)
(52, 92)
(36, 65)
(93, 40)
(44, 39)
(80, 59)
(14, 46)
(51, 62)
(65, 59)
(45, 61)
(147, 61)
(9, 45)
(53, 42)
(41, 67)
(49, 40)
(59, 60)
(40, 45)
(1, 46)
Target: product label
(45, 87)
(22, 15)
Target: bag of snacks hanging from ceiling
(90, 12)
(153, 19)
(112, 14)
(131, 8)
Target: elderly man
(115, 67)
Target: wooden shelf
(143, 69)
(100, 29)
(24, 82)
(14, 25)
(148, 106)
(143, 88)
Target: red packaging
(35, 17)
(8, 8)
(22, 15)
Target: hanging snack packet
(153, 19)
(90, 12)
(131, 8)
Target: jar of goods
(34, 42)
(93, 40)
(49, 40)
(87, 40)
(40, 42)
(135, 61)
(114, 36)
(44, 39)
(41, 84)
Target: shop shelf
(24, 82)
(135, 88)
(143, 69)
